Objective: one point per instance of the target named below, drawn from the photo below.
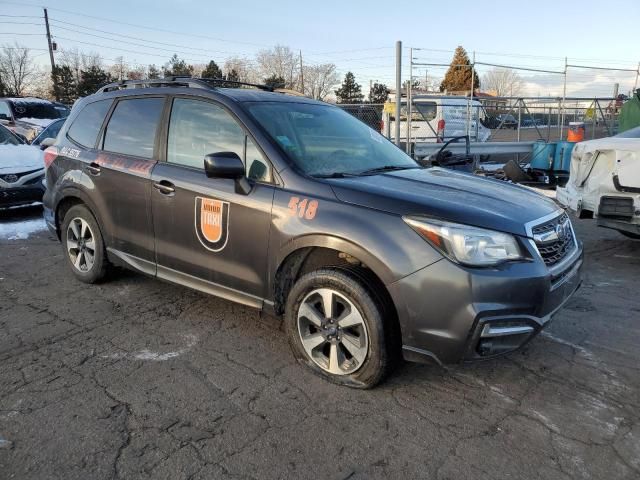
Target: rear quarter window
(85, 127)
(132, 127)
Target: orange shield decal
(212, 222)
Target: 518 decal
(304, 208)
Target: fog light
(497, 338)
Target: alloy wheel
(81, 245)
(332, 331)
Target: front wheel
(336, 328)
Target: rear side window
(428, 110)
(132, 127)
(5, 113)
(84, 129)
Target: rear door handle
(165, 187)
(93, 168)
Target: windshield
(7, 138)
(325, 141)
(35, 109)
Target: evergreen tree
(91, 80)
(64, 85)
(212, 71)
(233, 75)
(349, 91)
(379, 93)
(274, 81)
(458, 77)
(177, 66)
(153, 72)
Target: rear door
(121, 172)
(207, 235)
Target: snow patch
(21, 230)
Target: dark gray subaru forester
(293, 206)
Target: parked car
(21, 171)
(293, 206)
(604, 182)
(51, 131)
(28, 116)
(506, 121)
(437, 119)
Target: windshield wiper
(386, 168)
(335, 175)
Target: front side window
(199, 128)
(85, 127)
(323, 140)
(132, 127)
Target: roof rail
(180, 81)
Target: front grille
(554, 239)
(616, 207)
(14, 177)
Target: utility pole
(53, 62)
(46, 23)
(398, 90)
(301, 74)
(409, 100)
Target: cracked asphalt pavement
(139, 379)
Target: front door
(207, 235)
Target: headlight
(467, 245)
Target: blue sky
(357, 36)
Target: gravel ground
(136, 378)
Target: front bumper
(449, 313)
(10, 197)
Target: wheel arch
(74, 196)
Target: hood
(448, 195)
(20, 158)
(38, 123)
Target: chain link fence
(496, 119)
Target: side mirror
(47, 142)
(223, 165)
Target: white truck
(440, 118)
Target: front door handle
(93, 168)
(165, 187)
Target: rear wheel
(83, 245)
(335, 327)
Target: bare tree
(243, 70)
(119, 69)
(320, 80)
(281, 62)
(78, 61)
(503, 82)
(17, 69)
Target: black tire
(100, 265)
(381, 356)
(634, 236)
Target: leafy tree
(274, 81)
(379, 93)
(458, 77)
(177, 66)
(349, 91)
(212, 70)
(153, 72)
(64, 84)
(233, 76)
(91, 80)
